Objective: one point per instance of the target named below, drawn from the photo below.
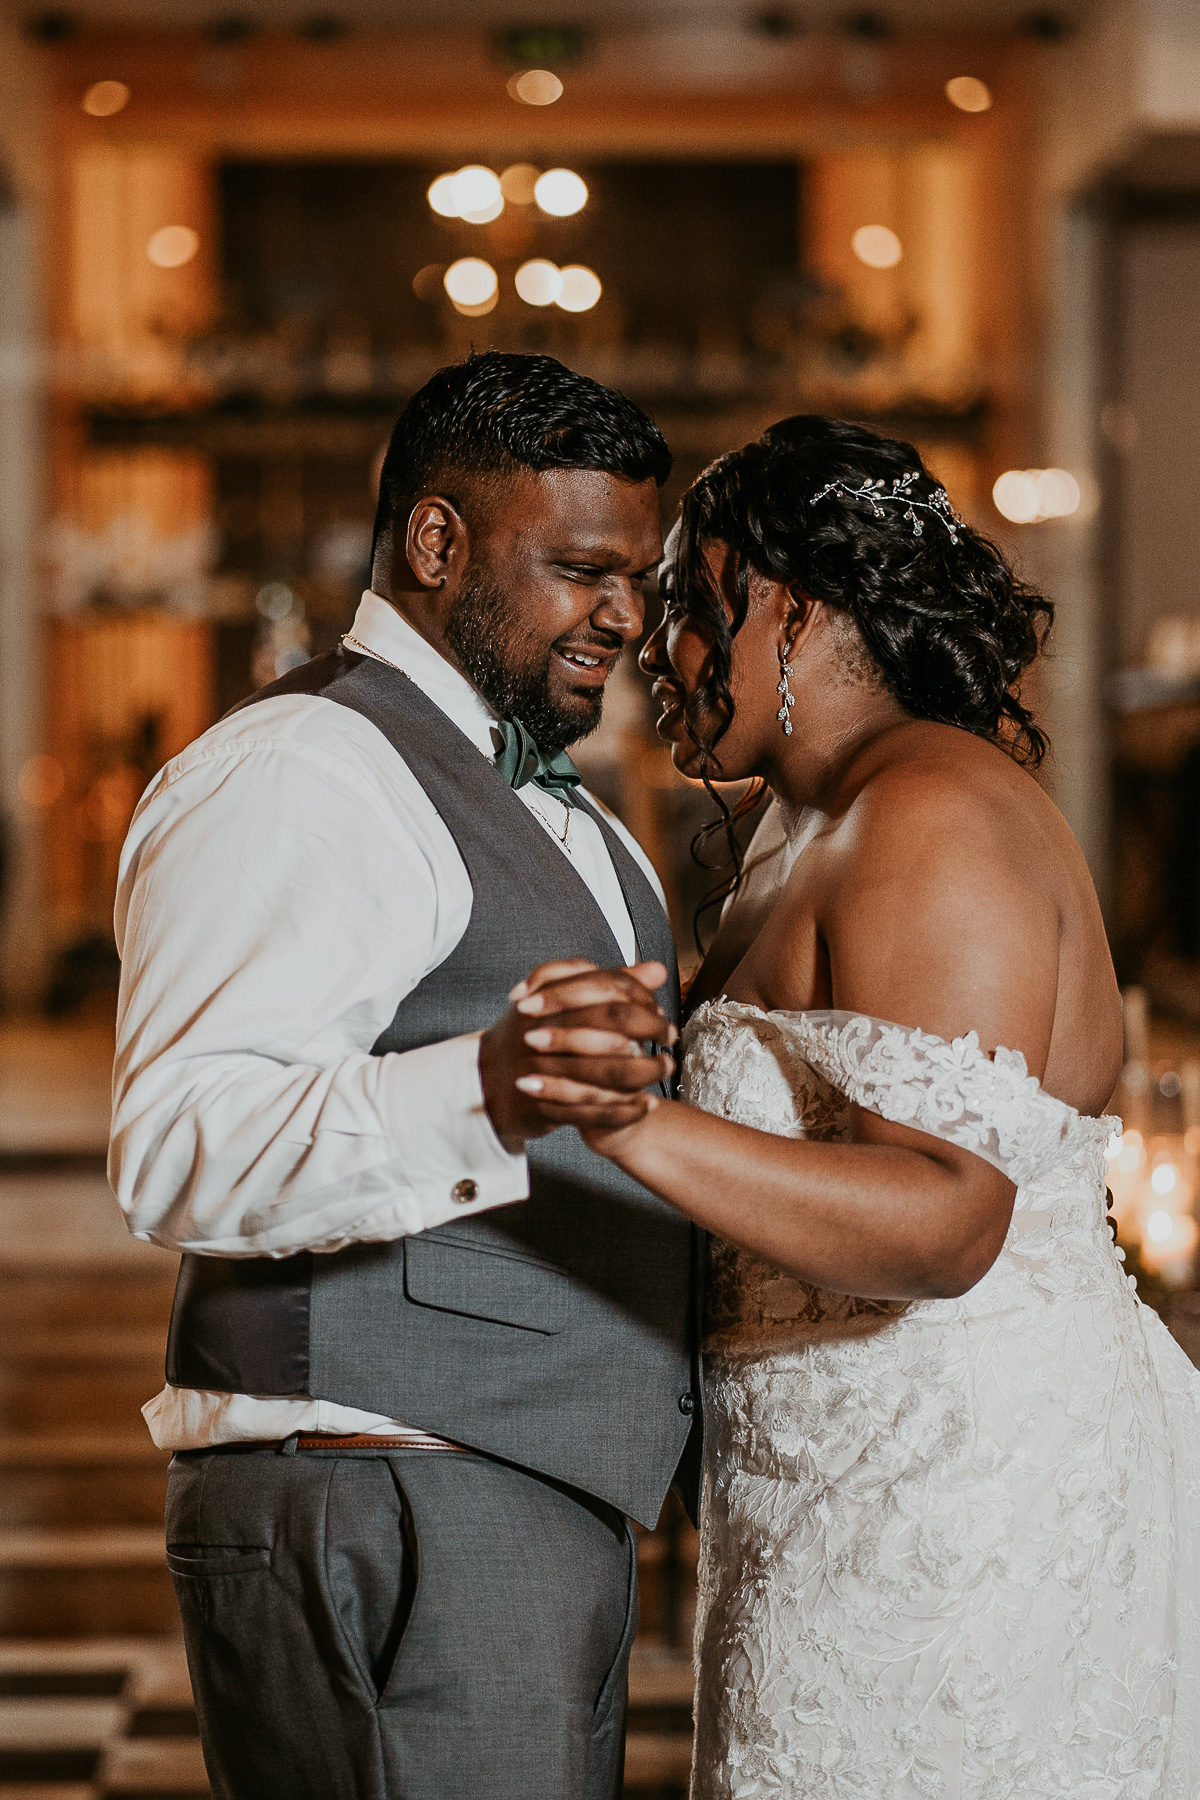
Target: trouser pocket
(370, 1563)
(280, 1663)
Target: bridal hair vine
(899, 494)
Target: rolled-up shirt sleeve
(285, 884)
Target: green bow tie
(520, 760)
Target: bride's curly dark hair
(948, 626)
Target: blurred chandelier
(477, 194)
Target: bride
(951, 1515)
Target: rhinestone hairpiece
(900, 494)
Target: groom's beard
(511, 668)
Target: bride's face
(678, 656)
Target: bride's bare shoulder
(937, 786)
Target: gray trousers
(400, 1625)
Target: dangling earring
(784, 715)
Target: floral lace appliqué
(950, 1549)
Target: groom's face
(550, 593)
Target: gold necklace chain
(562, 837)
(348, 637)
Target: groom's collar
(381, 629)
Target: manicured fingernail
(529, 1084)
(634, 1048)
(674, 1037)
(533, 1004)
(540, 1039)
(521, 988)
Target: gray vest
(557, 1333)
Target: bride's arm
(928, 926)
(893, 1215)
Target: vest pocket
(486, 1284)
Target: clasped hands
(573, 1049)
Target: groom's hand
(572, 1050)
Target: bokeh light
(968, 93)
(173, 245)
(1058, 493)
(518, 182)
(560, 192)
(103, 815)
(475, 189)
(471, 282)
(1027, 496)
(1159, 1226)
(877, 246)
(1016, 496)
(441, 197)
(104, 98)
(580, 288)
(539, 283)
(427, 283)
(477, 312)
(536, 87)
(40, 781)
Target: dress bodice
(800, 1074)
(950, 1548)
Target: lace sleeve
(990, 1105)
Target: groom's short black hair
(499, 411)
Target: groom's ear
(436, 542)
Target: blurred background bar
(232, 244)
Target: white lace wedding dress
(950, 1548)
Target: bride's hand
(572, 1050)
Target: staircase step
(660, 1677)
(657, 1760)
(101, 1580)
(36, 1397)
(98, 1480)
(64, 1379)
(39, 1296)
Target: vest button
(463, 1192)
(687, 1404)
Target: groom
(428, 1355)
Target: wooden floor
(94, 1696)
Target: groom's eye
(581, 571)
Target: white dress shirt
(285, 883)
